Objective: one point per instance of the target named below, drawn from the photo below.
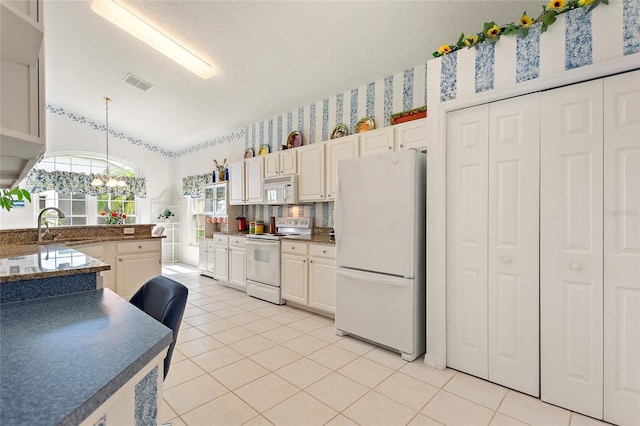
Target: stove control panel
(294, 222)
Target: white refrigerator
(379, 221)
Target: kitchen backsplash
(322, 213)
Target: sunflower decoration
(492, 31)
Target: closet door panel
(467, 137)
(622, 249)
(513, 243)
(571, 272)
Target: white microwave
(281, 190)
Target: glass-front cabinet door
(215, 199)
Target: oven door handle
(262, 243)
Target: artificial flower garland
(492, 32)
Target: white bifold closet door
(493, 242)
(590, 248)
(571, 248)
(622, 249)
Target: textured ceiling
(271, 57)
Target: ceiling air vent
(137, 82)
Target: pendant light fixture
(106, 179)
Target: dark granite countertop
(62, 357)
(46, 261)
(319, 236)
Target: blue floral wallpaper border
(578, 39)
(485, 67)
(631, 26)
(528, 55)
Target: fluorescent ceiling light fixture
(123, 18)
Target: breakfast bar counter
(63, 357)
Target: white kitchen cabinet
(590, 248)
(105, 252)
(413, 134)
(322, 277)
(308, 275)
(377, 141)
(492, 242)
(272, 165)
(22, 94)
(238, 262)
(236, 183)
(338, 149)
(207, 259)
(253, 180)
(138, 261)
(288, 162)
(294, 272)
(221, 250)
(311, 172)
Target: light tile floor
(243, 361)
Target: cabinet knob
(576, 267)
(139, 247)
(401, 145)
(311, 261)
(293, 248)
(324, 251)
(506, 259)
(304, 261)
(120, 260)
(389, 147)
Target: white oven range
(263, 257)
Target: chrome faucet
(41, 232)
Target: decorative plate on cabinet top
(264, 150)
(339, 131)
(248, 153)
(294, 139)
(365, 124)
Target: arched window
(61, 180)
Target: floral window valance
(194, 185)
(39, 180)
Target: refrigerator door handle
(336, 215)
(366, 276)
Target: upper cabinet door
(571, 247)
(253, 176)
(236, 183)
(338, 149)
(311, 176)
(413, 134)
(272, 165)
(288, 162)
(377, 141)
(622, 249)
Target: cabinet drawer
(322, 250)
(210, 247)
(138, 246)
(294, 248)
(237, 242)
(220, 240)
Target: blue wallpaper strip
(312, 212)
(246, 138)
(388, 100)
(312, 123)
(578, 39)
(146, 399)
(280, 211)
(280, 135)
(448, 77)
(371, 99)
(528, 55)
(425, 85)
(407, 90)
(300, 119)
(325, 119)
(253, 139)
(631, 26)
(289, 122)
(325, 215)
(353, 118)
(339, 108)
(272, 148)
(484, 66)
(261, 139)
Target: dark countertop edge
(52, 274)
(92, 404)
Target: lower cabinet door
(135, 270)
(237, 263)
(294, 278)
(221, 270)
(322, 285)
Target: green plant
(10, 195)
(113, 217)
(166, 214)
